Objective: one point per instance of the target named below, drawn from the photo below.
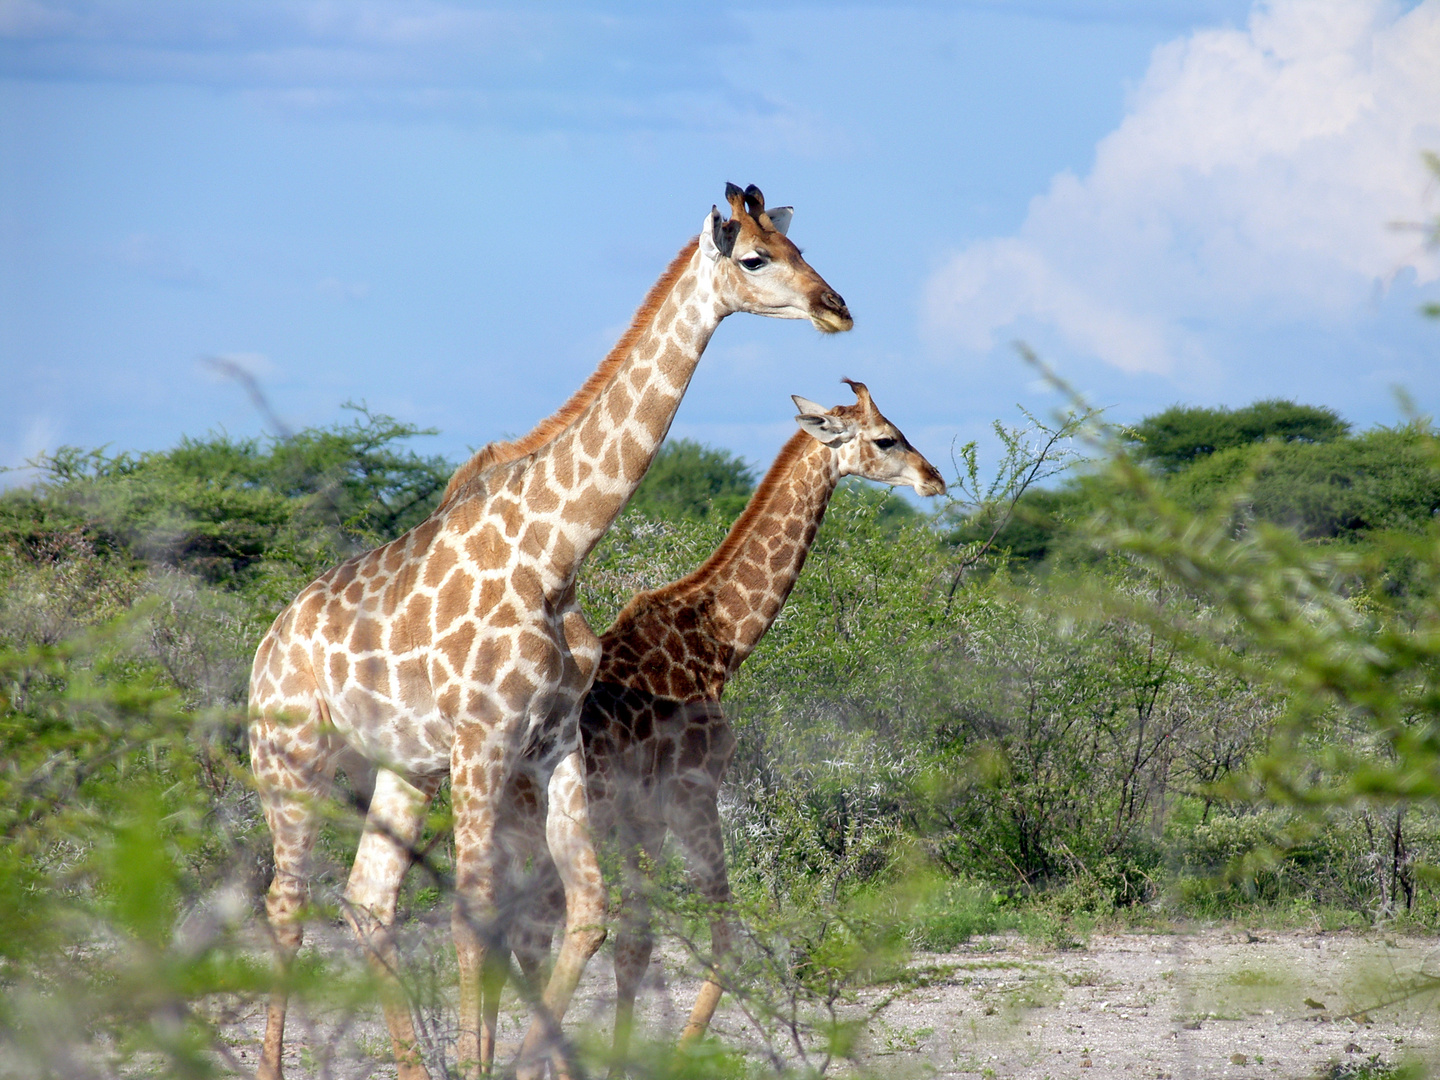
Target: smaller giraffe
(655, 739)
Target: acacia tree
(1181, 435)
(1347, 641)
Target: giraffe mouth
(832, 322)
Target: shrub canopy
(1182, 435)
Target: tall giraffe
(655, 740)
(458, 650)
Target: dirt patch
(1205, 1004)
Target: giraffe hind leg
(543, 910)
(634, 936)
(291, 756)
(694, 816)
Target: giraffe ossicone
(655, 739)
(458, 651)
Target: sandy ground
(1212, 1003)
(1208, 1004)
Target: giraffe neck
(576, 483)
(750, 575)
(467, 481)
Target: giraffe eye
(885, 444)
(753, 263)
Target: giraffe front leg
(392, 829)
(476, 783)
(519, 842)
(567, 832)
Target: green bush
(231, 511)
(1181, 436)
(1344, 489)
(1205, 715)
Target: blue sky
(449, 211)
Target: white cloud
(554, 66)
(335, 289)
(33, 18)
(1257, 177)
(157, 259)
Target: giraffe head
(757, 269)
(867, 444)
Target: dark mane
(500, 452)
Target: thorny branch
(1032, 453)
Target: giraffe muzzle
(830, 313)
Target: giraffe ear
(780, 218)
(717, 238)
(821, 424)
(808, 407)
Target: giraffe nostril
(834, 302)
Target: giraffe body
(458, 651)
(655, 739)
